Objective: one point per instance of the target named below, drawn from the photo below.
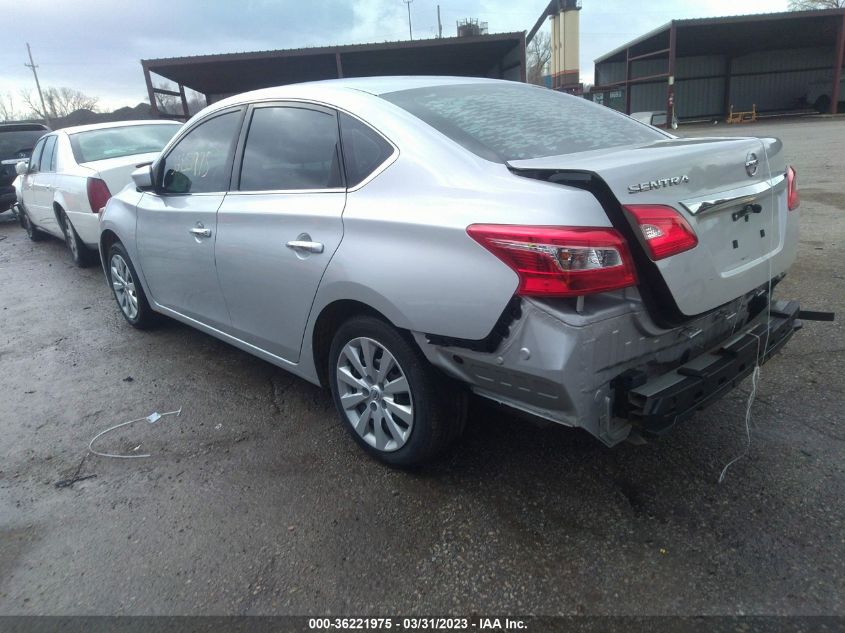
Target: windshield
(114, 142)
(503, 122)
(18, 143)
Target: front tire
(390, 399)
(127, 289)
(81, 254)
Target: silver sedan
(406, 241)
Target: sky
(96, 45)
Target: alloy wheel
(375, 394)
(124, 287)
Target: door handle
(200, 232)
(303, 245)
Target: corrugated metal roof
(340, 48)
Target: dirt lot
(255, 501)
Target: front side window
(114, 142)
(515, 121)
(35, 160)
(291, 148)
(201, 161)
(47, 156)
(364, 149)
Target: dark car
(16, 143)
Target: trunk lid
(738, 213)
(117, 172)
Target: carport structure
(703, 67)
(500, 56)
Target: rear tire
(395, 405)
(82, 256)
(33, 233)
(127, 289)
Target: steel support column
(150, 92)
(670, 88)
(339, 65)
(185, 112)
(628, 80)
(523, 72)
(837, 67)
(726, 95)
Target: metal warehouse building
(500, 56)
(702, 67)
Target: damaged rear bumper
(653, 405)
(609, 369)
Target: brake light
(664, 230)
(559, 261)
(98, 194)
(792, 198)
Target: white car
(73, 172)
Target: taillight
(665, 231)
(559, 261)
(792, 198)
(98, 194)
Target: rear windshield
(502, 122)
(114, 142)
(18, 143)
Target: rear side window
(35, 160)
(201, 161)
(114, 142)
(291, 148)
(364, 149)
(47, 161)
(513, 121)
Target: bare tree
(59, 102)
(809, 5)
(8, 109)
(539, 56)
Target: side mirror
(22, 167)
(143, 178)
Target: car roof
(382, 85)
(371, 85)
(112, 124)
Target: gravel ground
(256, 502)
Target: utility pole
(408, 4)
(439, 23)
(31, 65)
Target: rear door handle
(303, 245)
(200, 232)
